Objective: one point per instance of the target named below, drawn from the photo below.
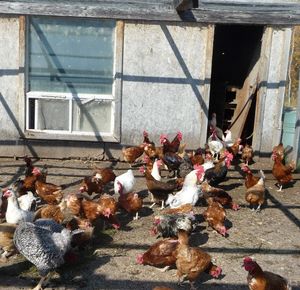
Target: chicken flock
(43, 223)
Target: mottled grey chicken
(185, 167)
(44, 243)
(169, 224)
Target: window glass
(92, 116)
(52, 114)
(71, 55)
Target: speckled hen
(44, 243)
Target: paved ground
(271, 236)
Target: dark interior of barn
(236, 50)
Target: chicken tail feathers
(262, 175)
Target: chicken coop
(84, 79)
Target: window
(71, 85)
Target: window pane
(52, 114)
(73, 55)
(92, 116)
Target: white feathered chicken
(127, 181)
(27, 201)
(190, 192)
(228, 138)
(215, 145)
(155, 169)
(44, 243)
(14, 214)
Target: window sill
(70, 137)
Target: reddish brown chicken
(258, 279)
(93, 210)
(28, 183)
(235, 148)
(131, 154)
(91, 184)
(247, 154)
(197, 157)
(48, 192)
(159, 189)
(279, 151)
(105, 175)
(74, 203)
(191, 262)
(215, 216)
(110, 206)
(172, 146)
(283, 173)
(218, 195)
(160, 254)
(131, 202)
(250, 179)
(7, 246)
(185, 208)
(58, 213)
(255, 195)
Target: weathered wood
(183, 5)
(243, 13)
(243, 104)
(139, 10)
(240, 12)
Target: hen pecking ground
(272, 236)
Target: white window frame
(114, 98)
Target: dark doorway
(236, 50)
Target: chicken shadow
(228, 187)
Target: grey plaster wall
(166, 71)
(10, 120)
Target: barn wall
(166, 72)
(166, 76)
(273, 83)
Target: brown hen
(192, 261)
(263, 280)
(160, 254)
(283, 173)
(215, 216)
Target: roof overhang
(268, 12)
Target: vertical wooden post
(296, 150)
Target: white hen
(190, 192)
(228, 138)
(27, 201)
(215, 145)
(14, 214)
(155, 170)
(127, 181)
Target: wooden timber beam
(183, 5)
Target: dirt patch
(271, 236)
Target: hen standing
(247, 154)
(263, 280)
(283, 173)
(130, 201)
(127, 180)
(44, 245)
(255, 195)
(190, 192)
(14, 214)
(192, 261)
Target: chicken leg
(43, 280)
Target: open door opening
(234, 78)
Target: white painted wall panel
(9, 78)
(165, 68)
